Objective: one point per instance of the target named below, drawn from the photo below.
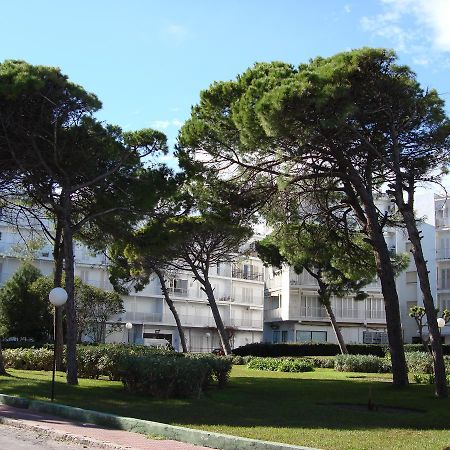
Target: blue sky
(147, 60)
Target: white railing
(442, 222)
(143, 316)
(350, 314)
(271, 314)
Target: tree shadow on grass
(259, 402)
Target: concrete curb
(60, 435)
(189, 435)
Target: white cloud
(347, 9)
(161, 124)
(175, 33)
(165, 124)
(418, 27)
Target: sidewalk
(87, 433)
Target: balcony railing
(349, 314)
(443, 254)
(143, 316)
(272, 314)
(244, 275)
(180, 292)
(442, 222)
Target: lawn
(309, 409)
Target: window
(445, 278)
(411, 277)
(247, 295)
(179, 286)
(284, 336)
(375, 308)
(310, 336)
(276, 336)
(375, 337)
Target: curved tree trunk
(324, 298)
(171, 307)
(336, 329)
(71, 331)
(2, 364)
(223, 336)
(430, 310)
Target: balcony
(177, 292)
(443, 254)
(245, 275)
(208, 321)
(344, 315)
(272, 314)
(131, 316)
(442, 222)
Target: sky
(148, 60)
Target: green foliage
(323, 363)
(23, 314)
(314, 349)
(220, 366)
(28, 358)
(281, 364)
(422, 362)
(361, 363)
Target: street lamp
(128, 326)
(440, 323)
(57, 297)
(207, 334)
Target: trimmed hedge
(142, 369)
(314, 349)
(361, 363)
(421, 362)
(28, 358)
(165, 376)
(281, 364)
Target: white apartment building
(239, 290)
(292, 312)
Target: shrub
(164, 376)
(313, 349)
(421, 362)
(28, 358)
(322, 362)
(361, 363)
(220, 366)
(281, 364)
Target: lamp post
(440, 323)
(207, 334)
(129, 326)
(57, 297)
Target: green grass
(292, 408)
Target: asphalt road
(12, 438)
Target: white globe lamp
(128, 325)
(57, 296)
(441, 322)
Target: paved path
(93, 435)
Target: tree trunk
(391, 303)
(171, 307)
(71, 328)
(336, 329)
(2, 364)
(58, 256)
(324, 298)
(430, 310)
(223, 336)
(362, 202)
